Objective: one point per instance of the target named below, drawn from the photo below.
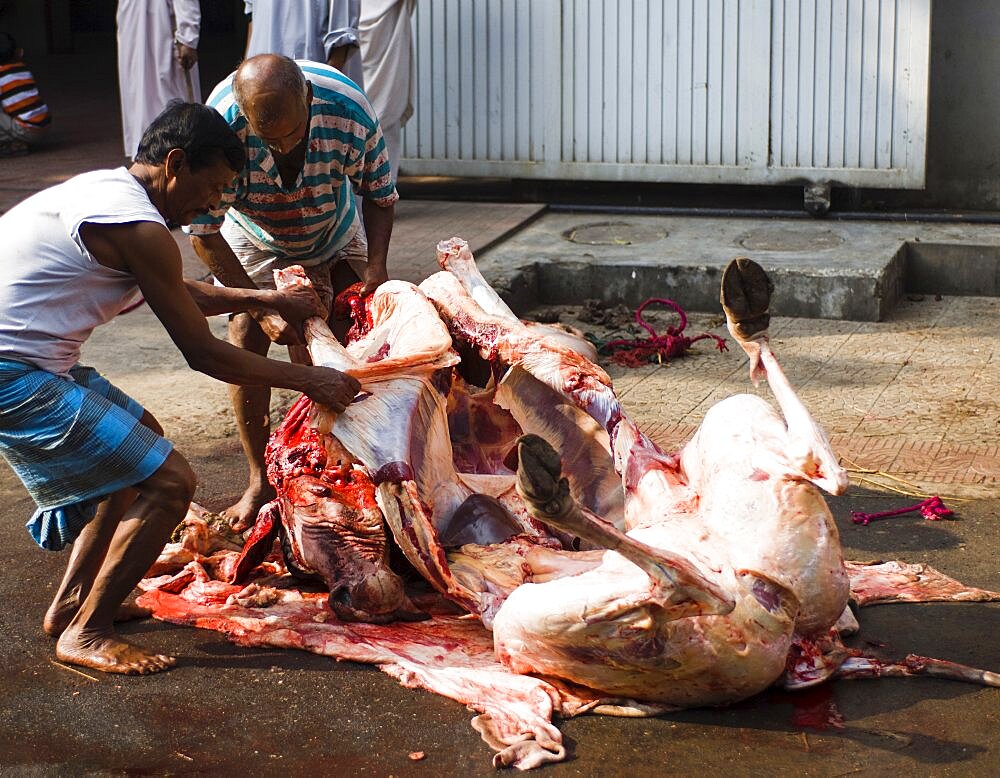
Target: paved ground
(226, 709)
(914, 396)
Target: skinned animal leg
(809, 447)
(746, 294)
(547, 496)
(455, 257)
(870, 667)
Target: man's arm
(187, 20)
(341, 31)
(218, 257)
(187, 15)
(246, 49)
(290, 303)
(338, 57)
(150, 254)
(378, 228)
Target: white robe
(306, 29)
(389, 63)
(149, 74)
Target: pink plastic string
(932, 509)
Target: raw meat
(725, 574)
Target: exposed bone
(549, 500)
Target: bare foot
(242, 514)
(108, 653)
(59, 615)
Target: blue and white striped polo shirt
(346, 154)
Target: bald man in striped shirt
(312, 141)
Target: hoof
(745, 297)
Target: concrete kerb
(853, 271)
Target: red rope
(932, 509)
(673, 343)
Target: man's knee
(173, 483)
(150, 421)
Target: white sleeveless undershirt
(53, 293)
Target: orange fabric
(19, 96)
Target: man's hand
(187, 56)
(375, 275)
(279, 330)
(338, 57)
(332, 389)
(296, 303)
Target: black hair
(8, 48)
(199, 131)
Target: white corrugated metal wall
(736, 91)
(849, 85)
(483, 70)
(654, 82)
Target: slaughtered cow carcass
(605, 574)
(326, 511)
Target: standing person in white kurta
(388, 58)
(157, 60)
(317, 30)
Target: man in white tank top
(104, 478)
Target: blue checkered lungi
(72, 443)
